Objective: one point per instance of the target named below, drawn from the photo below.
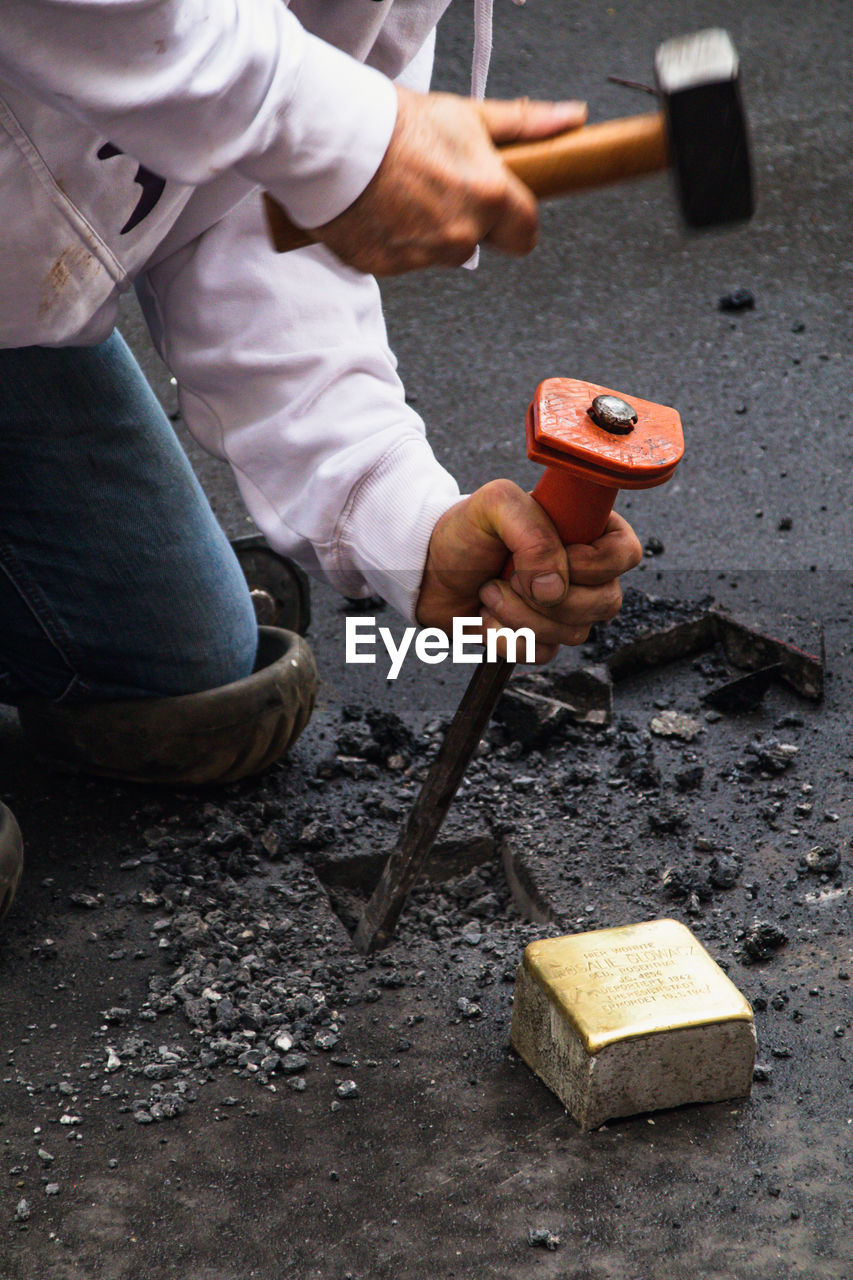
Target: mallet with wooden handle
(592, 442)
(700, 132)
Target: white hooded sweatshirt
(135, 137)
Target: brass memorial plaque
(618, 984)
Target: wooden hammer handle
(590, 157)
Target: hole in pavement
(464, 880)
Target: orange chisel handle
(578, 508)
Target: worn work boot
(215, 736)
(11, 858)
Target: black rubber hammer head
(697, 77)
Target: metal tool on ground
(700, 133)
(279, 588)
(592, 441)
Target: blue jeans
(115, 579)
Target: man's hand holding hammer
(442, 187)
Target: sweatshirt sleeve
(284, 370)
(191, 88)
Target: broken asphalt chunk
(743, 693)
(689, 778)
(676, 883)
(650, 632)
(736, 301)
(85, 901)
(530, 719)
(293, 1064)
(771, 755)
(674, 724)
(542, 1238)
(543, 705)
(665, 819)
(757, 641)
(822, 860)
(655, 636)
(725, 869)
(586, 692)
(761, 941)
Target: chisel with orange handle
(592, 442)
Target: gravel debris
(771, 755)
(822, 860)
(542, 1238)
(736, 301)
(762, 940)
(674, 724)
(86, 901)
(293, 1063)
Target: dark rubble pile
(256, 972)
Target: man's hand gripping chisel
(592, 442)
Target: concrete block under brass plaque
(619, 1021)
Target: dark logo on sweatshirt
(151, 183)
